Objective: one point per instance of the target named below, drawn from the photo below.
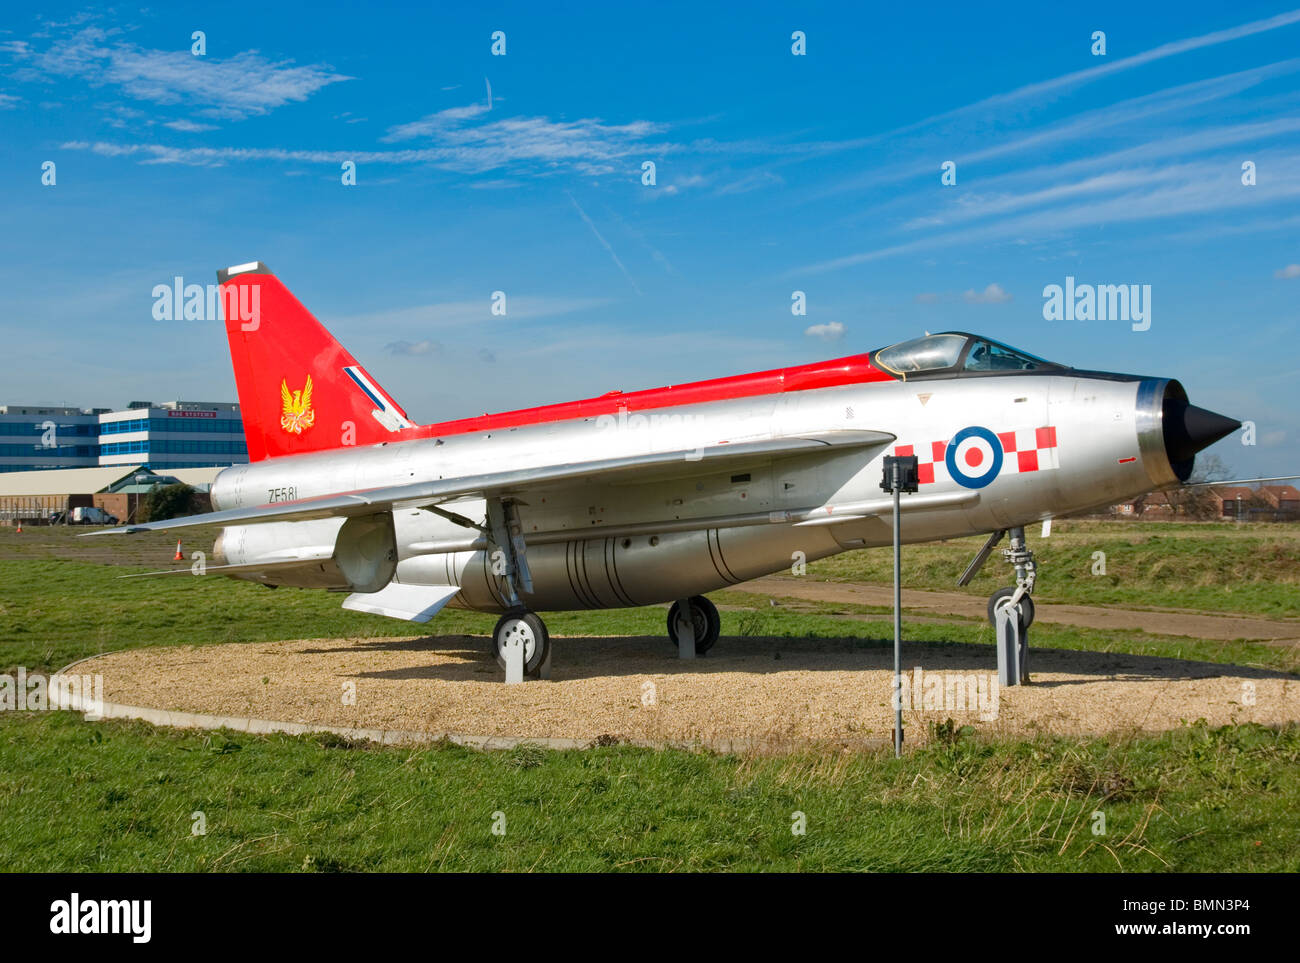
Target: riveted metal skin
(695, 529)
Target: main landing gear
(520, 642)
(696, 636)
(1010, 609)
(521, 635)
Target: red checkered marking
(1024, 450)
(924, 469)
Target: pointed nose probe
(1189, 429)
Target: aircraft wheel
(705, 621)
(529, 628)
(999, 600)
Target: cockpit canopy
(955, 353)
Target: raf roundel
(974, 457)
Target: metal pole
(898, 615)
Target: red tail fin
(299, 389)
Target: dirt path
(751, 692)
(1224, 627)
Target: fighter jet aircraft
(658, 496)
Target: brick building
(38, 497)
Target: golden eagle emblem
(297, 414)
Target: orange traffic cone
(20, 527)
(178, 557)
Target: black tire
(534, 630)
(1026, 606)
(705, 620)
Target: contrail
(1093, 73)
(604, 243)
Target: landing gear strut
(1017, 597)
(520, 642)
(704, 627)
(1011, 609)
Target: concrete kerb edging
(388, 737)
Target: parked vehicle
(89, 515)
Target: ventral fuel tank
(358, 554)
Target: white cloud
(457, 315)
(751, 182)
(1288, 272)
(827, 332)
(1123, 197)
(189, 126)
(583, 146)
(412, 348)
(434, 123)
(993, 294)
(587, 146)
(1004, 194)
(244, 85)
(1087, 75)
(684, 183)
(1093, 123)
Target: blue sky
(774, 173)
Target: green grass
(118, 796)
(121, 797)
(1211, 567)
(57, 612)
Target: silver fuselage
(690, 532)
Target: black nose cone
(1189, 429)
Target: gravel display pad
(759, 693)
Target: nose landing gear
(1017, 597)
(1010, 609)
